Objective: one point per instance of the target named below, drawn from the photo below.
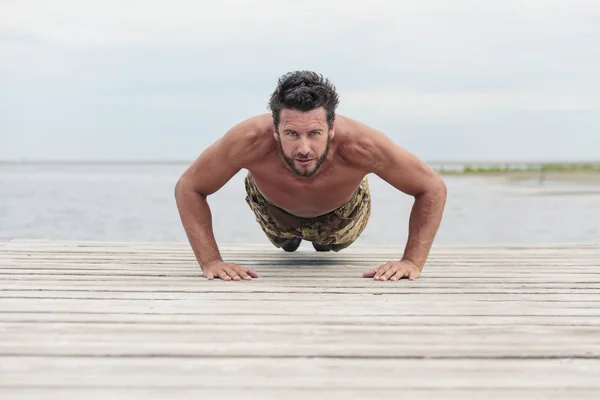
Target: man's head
(303, 107)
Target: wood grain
(137, 320)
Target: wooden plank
(244, 287)
(150, 317)
(361, 286)
(345, 277)
(376, 306)
(236, 392)
(266, 281)
(431, 272)
(19, 330)
(391, 338)
(167, 261)
(569, 297)
(257, 373)
(216, 347)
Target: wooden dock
(91, 320)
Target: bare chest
(306, 197)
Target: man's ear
(332, 132)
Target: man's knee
(285, 243)
(330, 247)
(338, 247)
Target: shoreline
(575, 172)
(591, 178)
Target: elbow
(184, 187)
(441, 191)
(181, 186)
(436, 189)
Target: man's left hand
(394, 270)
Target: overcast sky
(161, 80)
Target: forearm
(196, 218)
(425, 219)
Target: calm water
(136, 203)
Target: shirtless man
(307, 180)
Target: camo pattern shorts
(338, 228)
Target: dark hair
(304, 91)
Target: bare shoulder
(360, 145)
(246, 143)
(373, 151)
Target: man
(307, 180)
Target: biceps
(406, 172)
(210, 171)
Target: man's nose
(304, 146)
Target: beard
(304, 172)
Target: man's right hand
(227, 271)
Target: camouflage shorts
(338, 228)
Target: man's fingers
(370, 274)
(245, 273)
(401, 273)
(381, 271)
(391, 272)
(229, 272)
(242, 273)
(223, 275)
(232, 273)
(410, 273)
(387, 272)
(414, 274)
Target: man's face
(304, 139)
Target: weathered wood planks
(138, 320)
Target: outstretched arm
(207, 174)
(408, 174)
(404, 171)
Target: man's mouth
(304, 161)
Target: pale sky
(161, 80)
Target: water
(136, 203)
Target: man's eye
(292, 133)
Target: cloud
(117, 22)
(99, 71)
(466, 105)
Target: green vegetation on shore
(514, 168)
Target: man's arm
(374, 152)
(207, 174)
(407, 173)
